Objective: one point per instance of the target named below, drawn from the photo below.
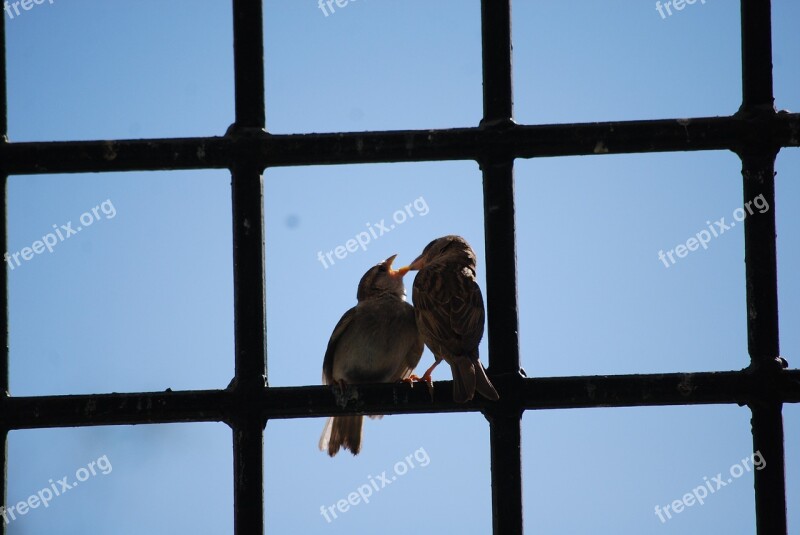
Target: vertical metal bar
(248, 272)
(248, 477)
(3, 315)
(250, 336)
(763, 342)
(760, 257)
(770, 482)
(756, 54)
(496, 54)
(501, 268)
(248, 62)
(3, 273)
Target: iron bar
(702, 388)
(519, 141)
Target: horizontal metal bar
(516, 392)
(116, 409)
(478, 143)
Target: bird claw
(411, 379)
(428, 382)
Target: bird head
(382, 279)
(445, 249)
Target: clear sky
(140, 299)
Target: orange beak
(395, 272)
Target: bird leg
(426, 377)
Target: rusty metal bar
(763, 342)
(756, 19)
(497, 164)
(248, 270)
(518, 141)
(703, 388)
(4, 387)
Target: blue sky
(142, 300)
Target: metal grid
(756, 133)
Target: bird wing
(431, 305)
(341, 327)
(450, 308)
(467, 314)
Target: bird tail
(341, 432)
(469, 376)
(483, 384)
(463, 379)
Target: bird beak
(395, 272)
(415, 265)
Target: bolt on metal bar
(501, 268)
(248, 270)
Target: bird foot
(411, 379)
(426, 378)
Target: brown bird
(449, 310)
(376, 341)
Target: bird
(449, 310)
(376, 341)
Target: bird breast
(375, 346)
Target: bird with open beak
(376, 341)
(449, 310)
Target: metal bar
(704, 388)
(248, 279)
(756, 18)
(4, 387)
(250, 349)
(248, 477)
(527, 141)
(763, 342)
(497, 164)
(761, 257)
(501, 267)
(248, 269)
(763, 338)
(770, 482)
(248, 63)
(496, 62)
(4, 471)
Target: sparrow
(449, 309)
(376, 341)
